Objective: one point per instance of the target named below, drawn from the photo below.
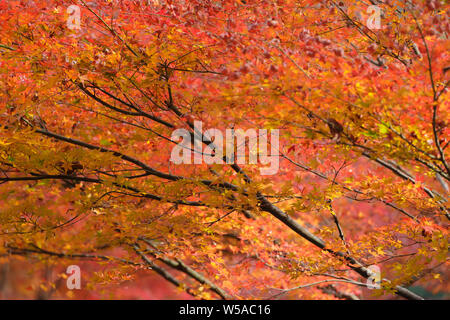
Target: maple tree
(86, 121)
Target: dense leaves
(85, 142)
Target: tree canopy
(88, 107)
